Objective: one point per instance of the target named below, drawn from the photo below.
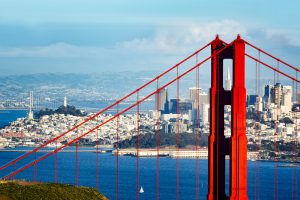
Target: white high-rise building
(228, 80)
(259, 104)
(287, 103)
(204, 113)
(193, 93)
(163, 98)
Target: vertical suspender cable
(137, 145)
(256, 131)
(197, 129)
(76, 163)
(295, 143)
(157, 138)
(117, 155)
(97, 159)
(177, 136)
(56, 165)
(259, 132)
(34, 170)
(276, 137)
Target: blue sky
(123, 35)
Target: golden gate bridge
(220, 147)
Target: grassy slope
(47, 191)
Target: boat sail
(142, 190)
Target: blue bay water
(261, 187)
(147, 175)
(7, 116)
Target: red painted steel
(177, 138)
(137, 169)
(15, 172)
(76, 164)
(158, 105)
(275, 58)
(117, 156)
(34, 170)
(56, 166)
(236, 145)
(197, 129)
(219, 146)
(274, 69)
(97, 160)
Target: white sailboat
(141, 190)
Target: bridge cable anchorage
(275, 58)
(14, 173)
(103, 110)
(158, 106)
(137, 144)
(117, 154)
(177, 137)
(97, 159)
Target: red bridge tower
(236, 145)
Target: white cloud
(165, 46)
(185, 36)
(286, 37)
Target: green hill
(19, 190)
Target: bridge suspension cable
(12, 174)
(105, 109)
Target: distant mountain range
(91, 87)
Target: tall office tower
(276, 94)
(287, 98)
(258, 104)
(204, 98)
(193, 93)
(30, 113)
(267, 93)
(163, 101)
(228, 80)
(204, 113)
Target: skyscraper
(228, 80)
(193, 92)
(287, 98)
(276, 94)
(162, 101)
(267, 93)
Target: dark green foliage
(69, 110)
(47, 191)
(148, 140)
